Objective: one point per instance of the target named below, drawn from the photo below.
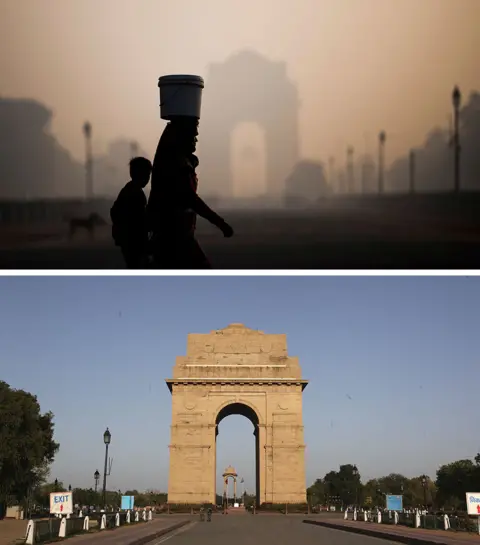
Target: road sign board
(61, 503)
(473, 503)
(127, 502)
(394, 503)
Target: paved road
(319, 245)
(261, 530)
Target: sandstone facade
(237, 370)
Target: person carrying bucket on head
(174, 204)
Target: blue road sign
(394, 503)
(127, 502)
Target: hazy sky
(360, 65)
(392, 363)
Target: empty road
(261, 530)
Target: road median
(400, 534)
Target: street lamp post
(382, 138)
(456, 99)
(69, 487)
(355, 476)
(87, 131)
(412, 172)
(350, 169)
(107, 437)
(133, 149)
(96, 476)
(424, 484)
(55, 484)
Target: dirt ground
(12, 530)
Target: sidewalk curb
(372, 533)
(159, 533)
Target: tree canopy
(453, 480)
(27, 446)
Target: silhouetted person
(174, 204)
(129, 216)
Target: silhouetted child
(129, 216)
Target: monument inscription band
(237, 370)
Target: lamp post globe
(456, 97)
(107, 437)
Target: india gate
(237, 370)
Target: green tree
(343, 484)
(455, 479)
(316, 493)
(26, 444)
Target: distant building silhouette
(306, 184)
(32, 163)
(434, 161)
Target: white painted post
(80, 514)
(117, 519)
(30, 533)
(103, 522)
(86, 524)
(379, 517)
(395, 516)
(418, 522)
(355, 514)
(63, 528)
(144, 515)
(128, 516)
(446, 522)
(137, 516)
(68, 515)
(365, 515)
(150, 515)
(346, 514)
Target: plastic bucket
(180, 95)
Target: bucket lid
(178, 79)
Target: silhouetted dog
(89, 224)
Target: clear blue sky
(393, 364)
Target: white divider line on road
(176, 532)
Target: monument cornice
(236, 381)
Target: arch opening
(248, 160)
(245, 488)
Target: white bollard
(128, 516)
(144, 515)
(68, 515)
(137, 516)
(418, 522)
(346, 514)
(355, 514)
(63, 528)
(86, 524)
(117, 519)
(379, 517)
(150, 515)
(80, 513)
(395, 517)
(446, 522)
(103, 522)
(30, 533)
(365, 515)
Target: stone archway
(248, 87)
(237, 370)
